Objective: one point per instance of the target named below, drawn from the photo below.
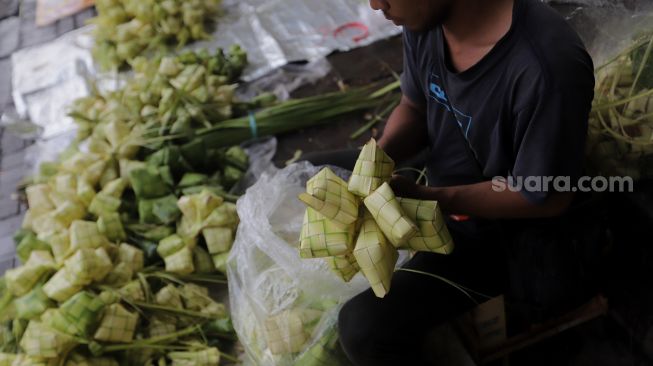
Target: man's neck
(474, 27)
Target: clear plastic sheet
(268, 279)
(47, 78)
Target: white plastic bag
(284, 308)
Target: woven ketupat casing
(44, 342)
(433, 233)
(387, 212)
(169, 296)
(88, 265)
(285, 333)
(60, 245)
(131, 255)
(8, 359)
(320, 237)
(21, 280)
(327, 194)
(103, 204)
(118, 325)
(33, 304)
(160, 327)
(344, 266)
(373, 168)
(82, 311)
(68, 212)
(375, 256)
(77, 359)
(180, 262)
(61, 286)
(218, 239)
(206, 357)
(85, 234)
(110, 225)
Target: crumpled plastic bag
(284, 308)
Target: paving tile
(9, 35)
(83, 16)
(5, 83)
(8, 207)
(8, 8)
(9, 226)
(7, 246)
(30, 34)
(15, 160)
(9, 180)
(10, 144)
(65, 25)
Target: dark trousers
(393, 330)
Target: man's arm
(406, 132)
(483, 201)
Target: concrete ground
(623, 337)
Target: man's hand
(406, 188)
(479, 200)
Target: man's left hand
(406, 188)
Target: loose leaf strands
(433, 233)
(385, 208)
(344, 266)
(294, 114)
(375, 256)
(320, 237)
(327, 194)
(373, 168)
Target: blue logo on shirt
(438, 94)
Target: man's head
(415, 15)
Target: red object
(459, 218)
(356, 25)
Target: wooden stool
(483, 330)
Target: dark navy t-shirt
(522, 111)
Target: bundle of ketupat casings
(354, 237)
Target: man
(499, 88)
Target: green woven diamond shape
(118, 325)
(320, 237)
(433, 233)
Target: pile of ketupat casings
(126, 29)
(172, 95)
(101, 223)
(365, 237)
(160, 190)
(620, 140)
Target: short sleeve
(411, 87)
(551, 133)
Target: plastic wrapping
(47, 78)
(274, 294)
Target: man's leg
(392, 330)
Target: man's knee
(356, 333)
